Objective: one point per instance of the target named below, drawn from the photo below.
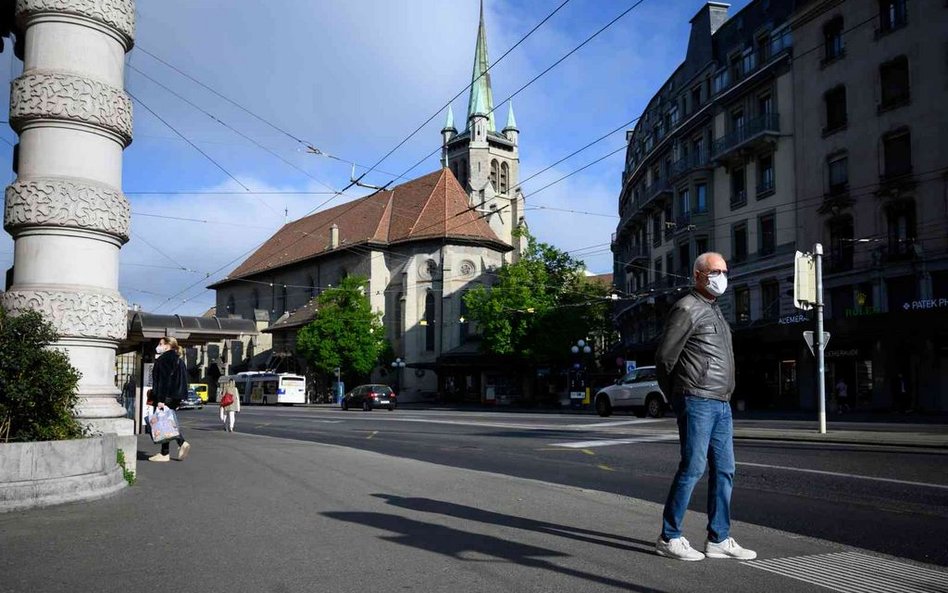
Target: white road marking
(651, 438)
(853, 572)
(843, 475)
(616, 423)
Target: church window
(504, 175)
(429, 322)
(494, 171)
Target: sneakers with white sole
(728, 549)
(183, 450)
(159, 457)
(677, 548)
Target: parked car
(370, 396)
(637, 391)
(192, 401)
(200, 389)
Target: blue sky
(354, 78)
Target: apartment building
(872, 168)
(791, 123)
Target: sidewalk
(246, 514)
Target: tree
(345, 334)
(37, 383)
(539, 305)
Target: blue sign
(629, 366)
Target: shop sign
(792, 319)
(925, 304)
(852, 353)
(862, 311)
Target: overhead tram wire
(465, 89)
(231, 128)
(543, 73)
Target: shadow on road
(428, 505)
(461, 545)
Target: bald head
(707, 261)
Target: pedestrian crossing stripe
(649, 438)
(853, 572)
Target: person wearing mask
(169, 379)
(695, 367)
(229, 411)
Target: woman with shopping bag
(169, 379)
(230, 405)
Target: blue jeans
(706, 431)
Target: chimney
(333, 236)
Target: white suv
(637, 391)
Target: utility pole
(818, 338)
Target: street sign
(629, 366)
(804, 281)
(808, 336)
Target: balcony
(633, 255)
(654, 191)
(753, 63)
(836, 198)
(752, 136)
(683, 223)
(689, 163)
(896, 181)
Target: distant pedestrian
(169, 378)
(842, 396)
(695, 364)
(230, 405)
(903, 400)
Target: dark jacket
(169, 379)
(695, 355)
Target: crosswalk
(854, 572)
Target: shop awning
(189, 331)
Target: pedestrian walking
(695, 364)
(230, 405)
(842, 396)
(169, 379)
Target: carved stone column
(66, 211)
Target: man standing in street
(695, 365)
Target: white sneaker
(677, 548)
(183, 450)
(728, 549)
(159, 457)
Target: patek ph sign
(925, 304)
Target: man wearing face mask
(695, 366)
(169, 386)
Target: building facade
(765, 141)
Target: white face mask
(717, 284)
(161, 349)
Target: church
(421, 245)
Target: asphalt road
(892, 500)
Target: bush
(37, 383)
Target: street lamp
(398, 364)
(577, 389)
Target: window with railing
(767, 229)
(897, 152)
(893, 14)
(738, 187)
(684, 201)
(894, 76)
(720, 81)
(695, 98)
(902, 230)
(765, 175)
(739, 242)
(833, 47)
(838, 167)
(842, 246)
(701, 198)
(742, 304)
(835, 103)
(770, 300)
(657, 229)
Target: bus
(259, 387)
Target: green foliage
(346, 332)
(539, 306)
(37, 383)
(128, 474)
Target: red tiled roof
(602, 279)
(434, 206)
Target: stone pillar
(66, 211)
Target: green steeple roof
(511, 120)
(449, 123)
(482, 99)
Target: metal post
(818, 338)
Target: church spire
(482, 99)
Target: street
(872, 497)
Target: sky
(227, 94)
